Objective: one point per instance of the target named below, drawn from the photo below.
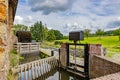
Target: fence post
(52, 53)
(59, 58)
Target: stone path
(115, 76)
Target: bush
(58, 42)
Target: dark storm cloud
(48, 6)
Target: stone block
(3, 10)
(2, 50)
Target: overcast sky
(70, 15)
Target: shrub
(58, 42)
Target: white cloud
(30, 17)
(65, 15)
(118, 18)
(18, 19)
(26, 20)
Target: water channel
(55, 74)
(59, 74)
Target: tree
(58, 34)
(87, 32)
(51, 35)
(117, 33)
(38, 31)
(99, 33)
(20, 27)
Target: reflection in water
(58, 74)
(53, 74)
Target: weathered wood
(26, 47)
(38, 68)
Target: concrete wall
(100, 66)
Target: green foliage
(58, 35)
(20, 27)
(42, 55)
(65, 37)
(14, 58)
(47, 44)
(58, 42)
(39, 31)
(51, 35)
(117, 33)
(87, 32)
(99, 33)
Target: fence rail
(26, 47)
(35, 69)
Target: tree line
(101, 32)
(40, 32)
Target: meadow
(111, 43)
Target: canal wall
(102, 66)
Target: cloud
(69, 15)
(72, 27)
(26, 20)
(49, 6)
(103, 7)
(18, 19)
(118, 18)
(114, 24)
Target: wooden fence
(26, 47)
(35, 69)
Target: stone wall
(6, 35)
(3, 38)
(101, 66)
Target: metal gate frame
(86, 58)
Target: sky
(70, 15)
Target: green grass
(106, 41)
(112, 43)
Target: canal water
(55, 74)
(59, 74)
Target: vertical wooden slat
(33, 74)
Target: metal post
(52, 53)
(68, 60)
(86, 62)
(75, 67)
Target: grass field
(112, 44)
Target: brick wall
(100, 66)
(63, 54)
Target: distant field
(112, 43)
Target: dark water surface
(59, 74)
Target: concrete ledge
(115, 76)
(101, 66)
